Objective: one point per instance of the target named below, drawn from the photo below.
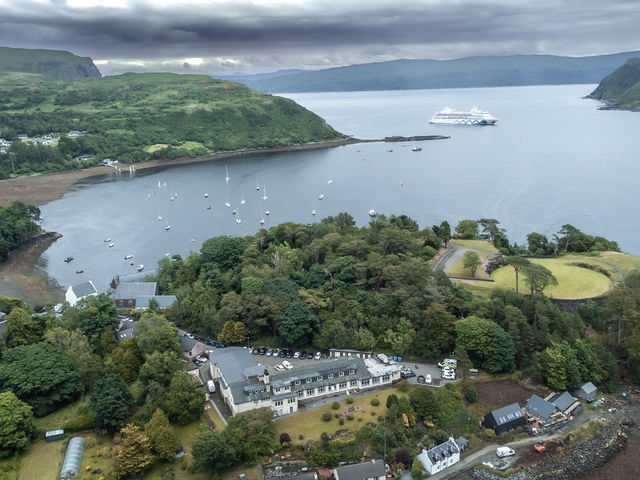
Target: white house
(440, 457)
(75, 293)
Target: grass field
(477, 244)
(458, 270)
(310, 425)
(55, 420)
(573, 282)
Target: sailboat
(242, 202)
(257, 184)
(238, 220)
(262, 221)
(227, 204)
(264, 197)
(330, 181)
(313, 212)
(401, 182)
(227, 173)
(320, 197)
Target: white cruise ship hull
(450, 116)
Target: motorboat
(227, 204)
(264, 197)
(108, 239)
(234, 211)
(79, 271)
(372, 213)
(159, 218)
(140, 267)
(167, 227)
(68, 259)
(128, 257)
(206, 195)
(238, 220)
(111, 244)
(320, 197)
(416, 149)
(242, 202)
(267, 212)
(226, 179)
(262, 221)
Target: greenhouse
(73, 458)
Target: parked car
(221, 345)
(448, 362)
(318, 355)
(310, 356)
(407, 374)
(289, 354)
(255, 351)
(269, 352)
(211, 343)
(303, 354)
(282, 354)
(286, 364)
(296, 355)
(420, 378)
(189, 335)
(324, 356)
(505, 452)
(279, 368)
(263, 351)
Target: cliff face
(621, 89)
(54, 64)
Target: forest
(18, 223)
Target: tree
(467, 229)
(224, 252)
(365, 339)
(16, 424)
(134, 455)
(487, 344)
(159, 367)
(252, 434)
(234, 332)
(22, 329)
(443, 231)
(538, 277)
(284, 438)
(424, 403)
(92, 315)
(490, 229)
(154, 333)
(184, 401)
(333, 334)
(471, 261)
(110, 402)
(296, 323)
(162, 436)
(39, 375)
(539, 244)
(212, 451)
(518, 263)
(127, 359)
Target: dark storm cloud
(243, 34)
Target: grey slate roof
(439, 452)
(126, 291)
(233, 361)
(163, 301)
(507, 414)
(324, 369)
(84, 289)
(462, 443)
(586, 391)
(540, 407)
(362, 471)
(188, 343)
(564, 401)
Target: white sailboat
(321, 196)
(267, 212)
(238, 220)
(262, 221)
(227, 204)
(257, 184)
(264, 197)
(226, 179)
(372, 213)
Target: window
(330, 375)
(301, 393)
(292, 400)
(310, 392)
(319, 378)
(341, 374)
(352, 371)
(386, 378)
(308, 380)
(320, 389)
(375, 380)
(365, 382)
(354, 383)
(278, 403)
(277, 390)
(343, 385)
(297, 382)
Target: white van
(211, 386)
(504, 452)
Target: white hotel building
(246, 385)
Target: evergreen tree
(110, 402)
(134, 455)
(164, 442)
(16, 424)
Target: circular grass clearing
(573, 282)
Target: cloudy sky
(252, 36)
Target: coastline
(40, 189)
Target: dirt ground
(626, 465)
(500, 394)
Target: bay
(553, 158)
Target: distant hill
(621, 89)
(47, 64)
(144, 116)
(458, 73)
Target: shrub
(341, 421)
(489, 433)
(349, 400)
(349, 417)
(470, 393)
(373, 414)
(417, 472)
(337, 415)
(284, 438)
(375, 402)
(81, 422)
(326, 416)
(301, 437)
(335, 405)
(404, 386)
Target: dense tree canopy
(16, 424)
(18, 223)
(110, 402)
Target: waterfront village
(239, 379)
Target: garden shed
(505, 419)
(73, 458)
(586, 391)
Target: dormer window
(352, 371)
(341, 374)
(319, 378)
(309, 380)
(297, 382)
(330, 375)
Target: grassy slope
(52, 64)
(622, 87)
(127, 114)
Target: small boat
(172, 198)
(402, 182)
(242, 202)
(209, 207)
(159, 184)
(416, 149)
(320, 197)
(193, 239)
(111, 244)
(234, 211)
(68, 259)
(167, 227)
(267, 212)
(79, 271)
(238, 220)
(140, 267)
(164, 184)
(257, 185)
(313, 212)
(226, 179)
(131, 262)
(128, 257)
(108, 239)
(159, 218)
(206, 195)
(227, 204)
(372, 213)
(330, 181)
(264, 197)
(262, 221)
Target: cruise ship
(449, 116)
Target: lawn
(42, 461)
(573, 282)
(623, 261)
(310, 425)
(55, 420)
(477, 244)
(459, 270)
